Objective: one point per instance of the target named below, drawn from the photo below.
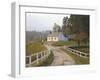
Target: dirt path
(60, 57)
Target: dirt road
(60, 57)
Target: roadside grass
(73, 44)
(62, 43)
(78, 60)
(46, 62)
(34, 47)
(81, 48)
(68, 43)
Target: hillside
(34, 36)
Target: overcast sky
(42, 22)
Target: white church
(56, 36)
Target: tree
(80, 23)
(66, 27)
(80, 27)
(56, 28)
(80, 37)
(77, 25)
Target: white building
(56, 36)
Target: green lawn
(34, 47)
(78, 60)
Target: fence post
(41, 55)
(80, 54)
(37, 59)
(30, 61)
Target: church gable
(56, 36)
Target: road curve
(60, 57)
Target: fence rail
(78, 53)
(36, 57)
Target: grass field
(73, 45)
(67, 43)
(62, 43)
(34, 47)
(81, 48)
(78, 60)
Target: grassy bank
(78, 60)
(73, 44)
(46, 62)
(68, 43)
(62, 43)
(34, 47)
(81, 48)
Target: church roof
(54, 34)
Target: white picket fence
(36, 57)
(78, 53)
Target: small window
(51, 38)
(55, 38)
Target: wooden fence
(78, 53)
(37, 57)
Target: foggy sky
(42, 22)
